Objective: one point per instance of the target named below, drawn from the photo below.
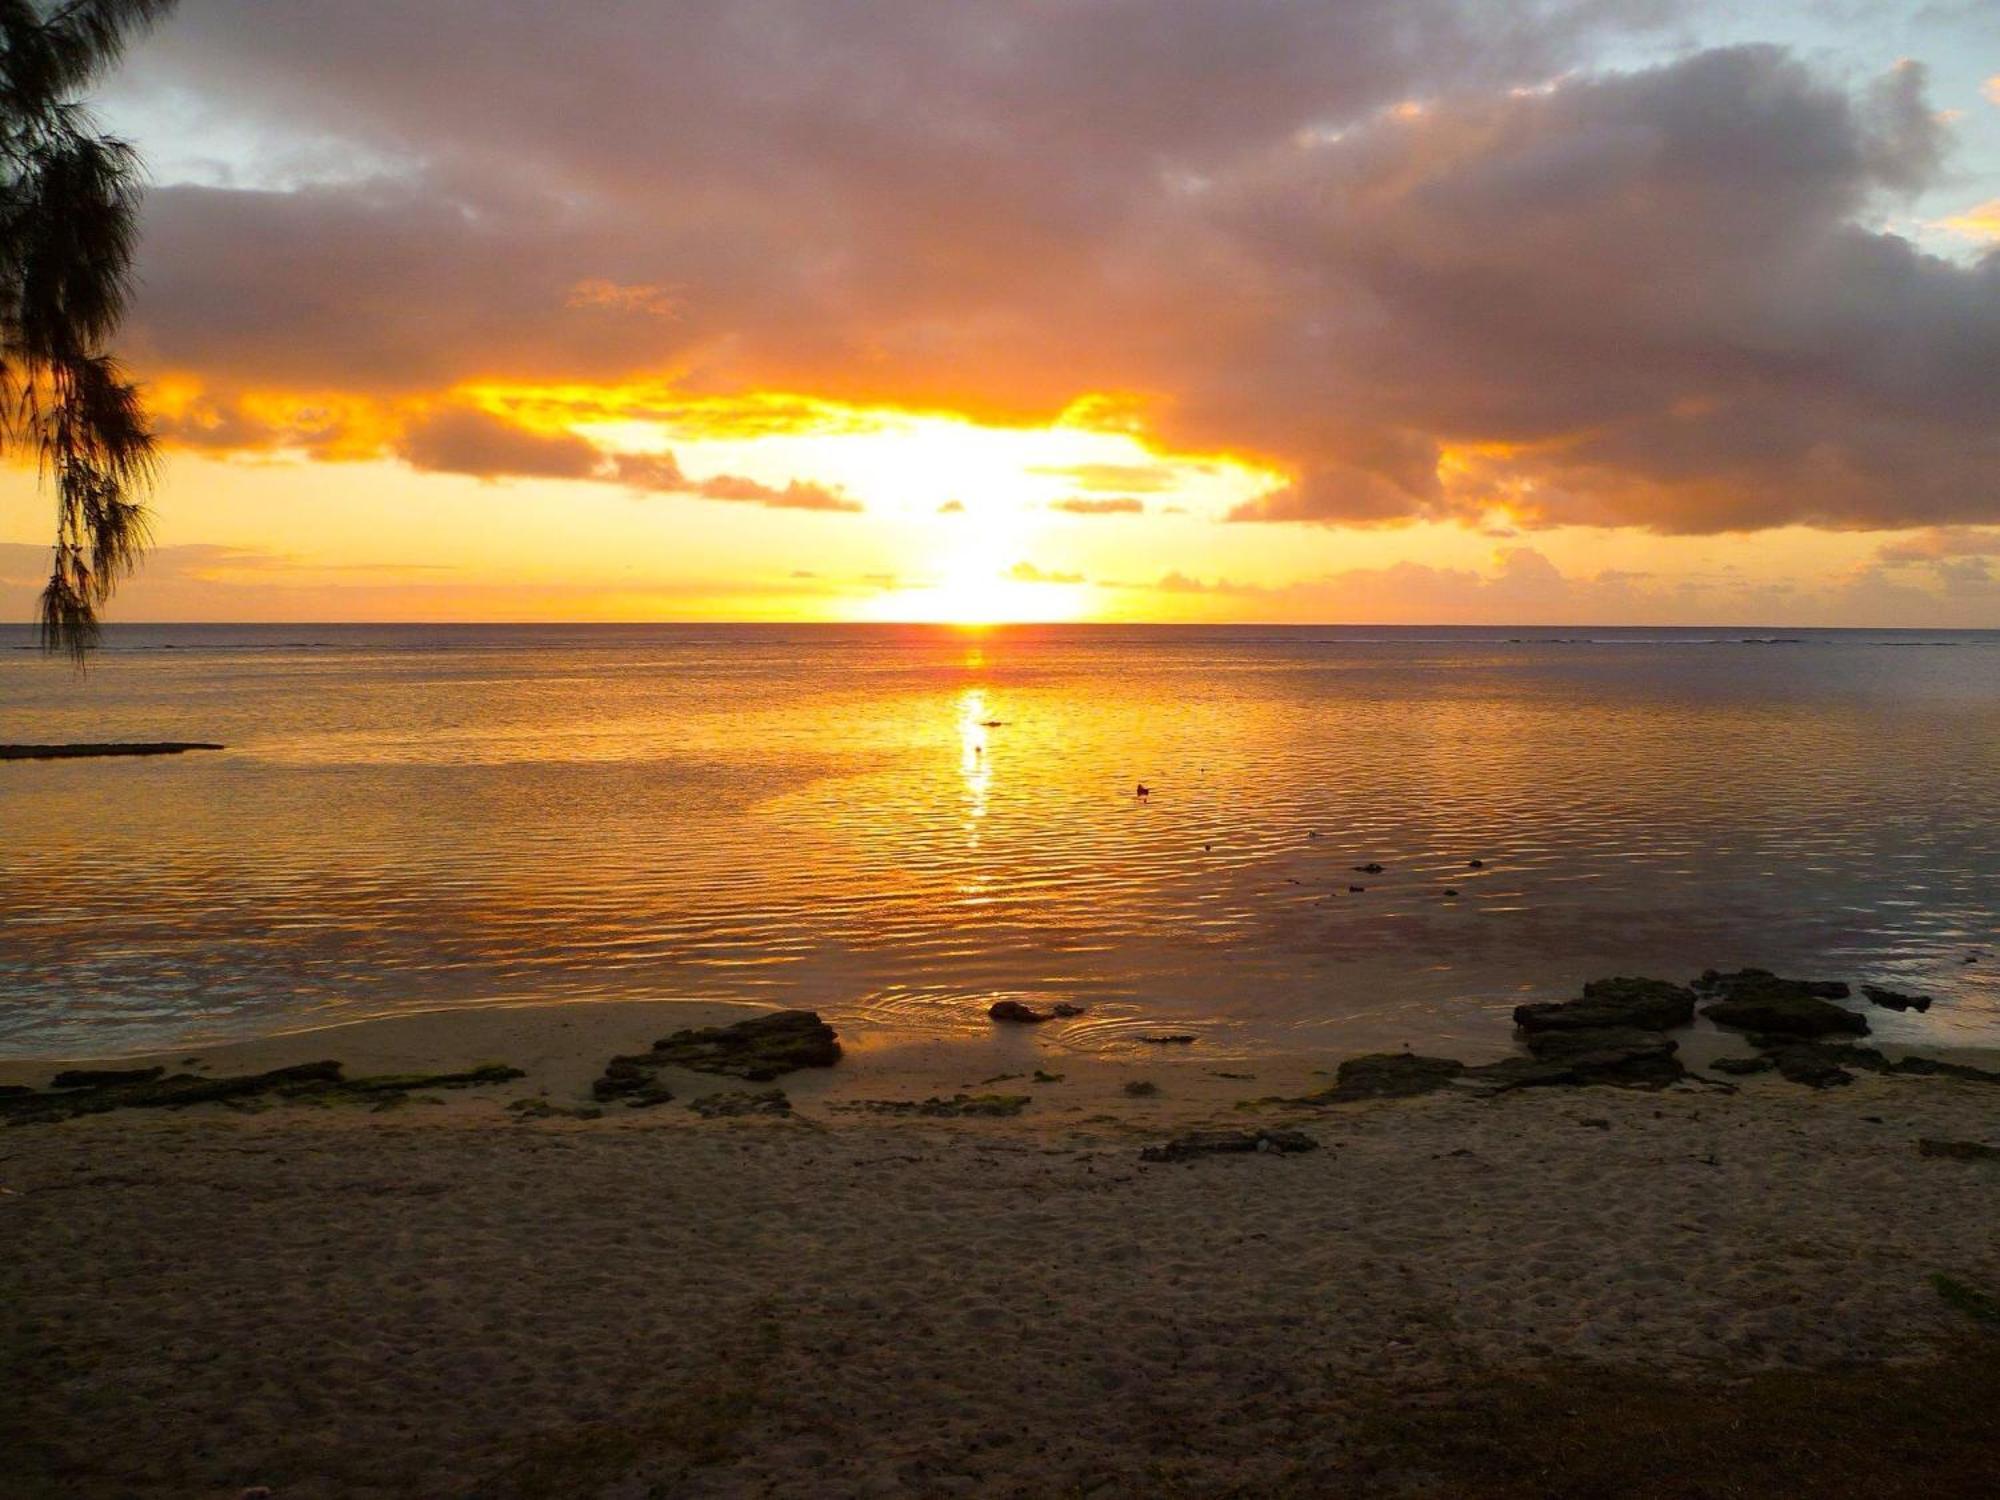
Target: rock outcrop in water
(1895, 999)
(1618, 1003)
(92, 751)
(1757, 1000)
(1388, 1075)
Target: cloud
(661, 473)
(1980, 222)
(1991, 89)
(1027, 572)
(645, 298)
(1934, 545)
(1417, 255)
(465, 440)
(1116, 478)
(1100, 505)
(952, 508)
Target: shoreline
(1550, 1291)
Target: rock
(1355, 890)
(98, 1078)
(1230, 1143)
(1140, 1088)
(1741, 1065)
(1868, 1060)
(1064, 1010)
(759, 1050)
(171, 1092)
(1713, 982)
(1757, 1000)
(1015, 1011)
(403, 1083)
(1623, 1057)
(1811, 1067)
(1895, 999)
(1958, 1150)
(1475, 864)
(742, 1102)
(1371, 868)
(1174, 1039)
(1388, 1075)
(1645, 1004)
(86, 751)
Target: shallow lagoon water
(899, 825)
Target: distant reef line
(115, 747)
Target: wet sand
(447, 1300)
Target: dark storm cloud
(1370, 244)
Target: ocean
(899, 825)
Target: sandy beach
(448, 1299)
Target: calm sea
(899, 825)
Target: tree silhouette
(68, 204)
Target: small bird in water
(1143, 791)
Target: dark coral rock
(1647, 1004)
(1895, 999)
(1620, 1057)
(1230, 1143)
(759, 1049)
(99, 1078)
(1759, 1001)
(172, 1092)
(1810, 1066)
(1388, 1075)
(1015, 1011)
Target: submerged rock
(1895, 999)
(1015, 1011)
(1647, 1004)
(1064, 1010)
(1176, 1039)
(759, 1050)
(1230, 1143)
(742, 1102)
(1758, 1000)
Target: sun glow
(969, 522)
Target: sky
(1420, 311)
